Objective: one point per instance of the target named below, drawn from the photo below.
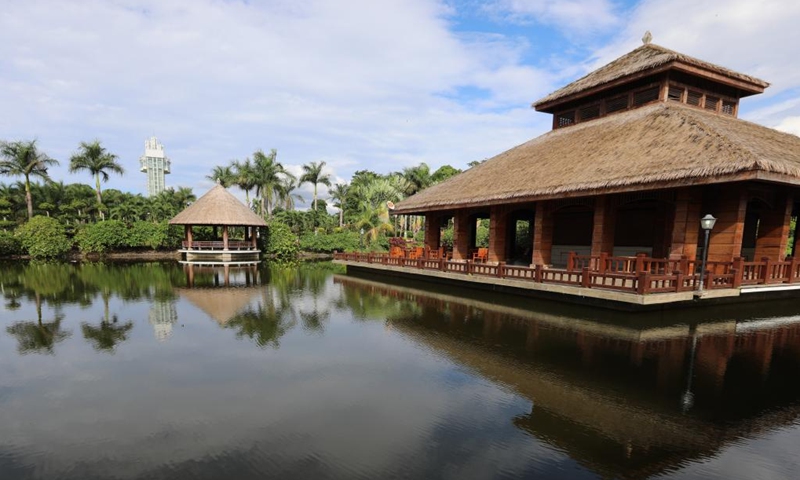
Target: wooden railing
(218, 245)
(641, 275)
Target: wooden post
(678, 281)
(442, 264)
(602, 262)
(570, 261)
(537, 274)
(188, 231)
(793, 269)
(640, 262)
(224, 237)
(643, 283)
(500, 267)
(468, 267)
(766, 274)
(586, 277)
(737, 277)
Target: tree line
(270, 190)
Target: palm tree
(286, 195)
(339, 195)
(22, 159)
(94, 158)
(268, 175)
(312, 173)
(244, 177)
(224, 176)
(419, 178)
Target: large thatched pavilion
(219, 208)
(639, 151)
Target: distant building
(155, 164)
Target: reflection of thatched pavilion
(221, 304)
(218, 208)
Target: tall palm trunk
(28, 198)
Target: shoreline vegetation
(43, 219)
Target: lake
(156, 371)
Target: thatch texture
(654, 146)
(218, 207)
(643, 58)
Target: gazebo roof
(218, 207)
(649, 58)
(657, 146)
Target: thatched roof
(646, 57)
(658, 146)
(221, 304)
(218, 207)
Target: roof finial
(648, 37)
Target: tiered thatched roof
(218, 207)
(650, 58)
(658, 146)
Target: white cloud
(790, 125)
(365, 83)
(576, 18)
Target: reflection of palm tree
(265, 324)
(38, 337)
(107, 335)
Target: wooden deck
(638, 276)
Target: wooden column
(224, 237)
(187, 229)
(686, 224)
(254, 236)
(461, 229)
(603, 226)
(498, 231)
(730, 207)
(433, 230)
(542, 235)
(773, 229)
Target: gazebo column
(730, 208)
(686, 224)
(433, 230)
(461, 235)
(603, 225)
(224, 237)
(253, 237)
(187, 230)
(498, 232)
(542, 235)
(773, 229)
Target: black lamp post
(706, 223)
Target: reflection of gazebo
(221, 304)
(218, 208)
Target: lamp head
(708, 222)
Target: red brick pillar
(433, 230)
(461, 235)
(603, 227)
(773, 229)
(542, 234)
(730, 207)
(686, 224)
(498, 231)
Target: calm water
(149, 371)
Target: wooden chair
(481, 255)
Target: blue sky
(359, 84)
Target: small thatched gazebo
(218, 208)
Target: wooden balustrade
(640, 274)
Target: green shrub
(43, 237)
(9, 244)
(154, 235)
(280, 242)
(101, 237)
(329, 242)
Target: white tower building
(155, 164)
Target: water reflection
(611, 394)
(299, 371)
